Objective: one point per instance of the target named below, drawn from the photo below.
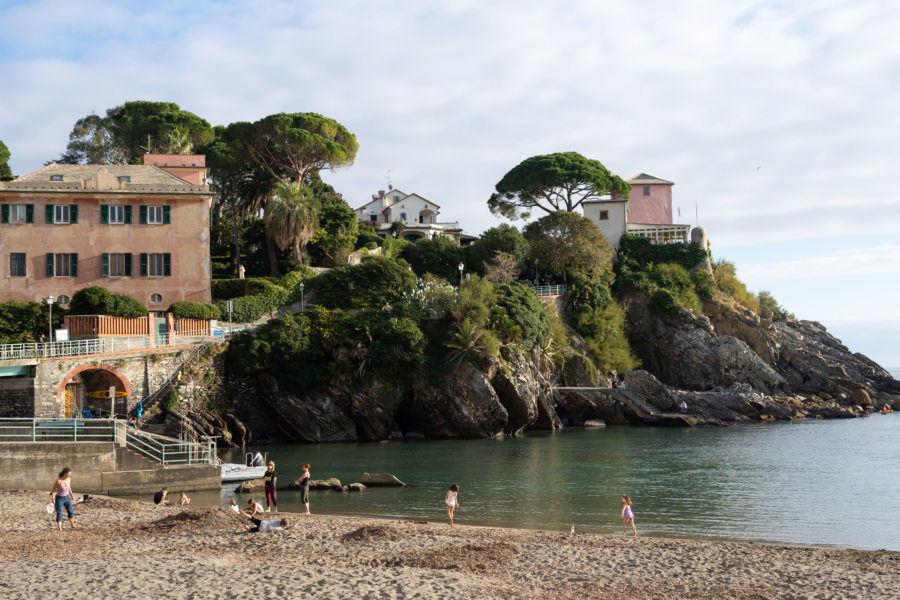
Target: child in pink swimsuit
(627, 515)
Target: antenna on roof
(388, 177)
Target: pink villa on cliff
(139, 230)
(647, 212)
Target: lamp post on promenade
(537, 279)
(302, 301)
(50, 300)
(461, 267)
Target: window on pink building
(646, 190)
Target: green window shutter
(50, 265)
(128, 265)
(4, 213)
(104, 214)
(73, 265)
(49, 213)
(166, 215)
(167, 264)
(73, 213)
(143, 264)
(128, 215)
(104, 269)
(29, 213)
(143, 215)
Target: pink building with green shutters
(138, 230)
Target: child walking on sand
(627, 515)
(452, 500)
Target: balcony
(660, 234)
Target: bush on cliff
(371, 284)
(727, 282)
(439, 256)
(603, 329)
(194, 310)
(643, 252)
(523, 307)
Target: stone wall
(35, 466)
(16, 397)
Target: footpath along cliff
(729, 365)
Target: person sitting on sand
(258, 525)
(183, 500)
(233, 506)
(254, 508)
(452, 500)
(627, 515)
(159, 498)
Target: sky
(776, 120)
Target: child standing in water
(452, 500)
(627, 515)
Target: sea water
(829, 483)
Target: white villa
(647, 212)
(418, 214)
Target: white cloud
(860, 262)
(452, 95)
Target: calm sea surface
(831, 483)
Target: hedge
(641, 250)
(226, 289)
(194, 310)
(250, 308)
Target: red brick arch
(68, 378)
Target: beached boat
(254, 468)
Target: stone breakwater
(202, 552)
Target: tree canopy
(5, 171)
(291, 146)
(121, 137)
(568, 244)
(553, 182)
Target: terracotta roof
(644, 179)
(142, 179)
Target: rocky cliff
(728, 365)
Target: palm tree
(292, 216)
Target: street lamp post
(302, 301)
(50, 300)
(461, 267)
(537, 279)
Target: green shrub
(725, 275)
(642, 251)
(778, 312)
(22, 322)
(582, 291)
(250, 308)
(664, 302)
(171, 401)
(524, 308)
(226, 289)
(374, 282)
(96, 300)
(704, 284)
(603, 329)
(194, 310)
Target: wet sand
(129, 549)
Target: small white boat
(254, 468)
(237, 472)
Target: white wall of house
(609, 216)
(395, 205)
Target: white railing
(164, 450)
(107, 345)
(550, 290)
(660, 234)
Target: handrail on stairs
(154, 396)
(161, 449)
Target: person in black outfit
(269, 478)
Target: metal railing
(163, 450)
(154, 396)
(105, 345)
(550, 290)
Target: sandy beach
(128, 549)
